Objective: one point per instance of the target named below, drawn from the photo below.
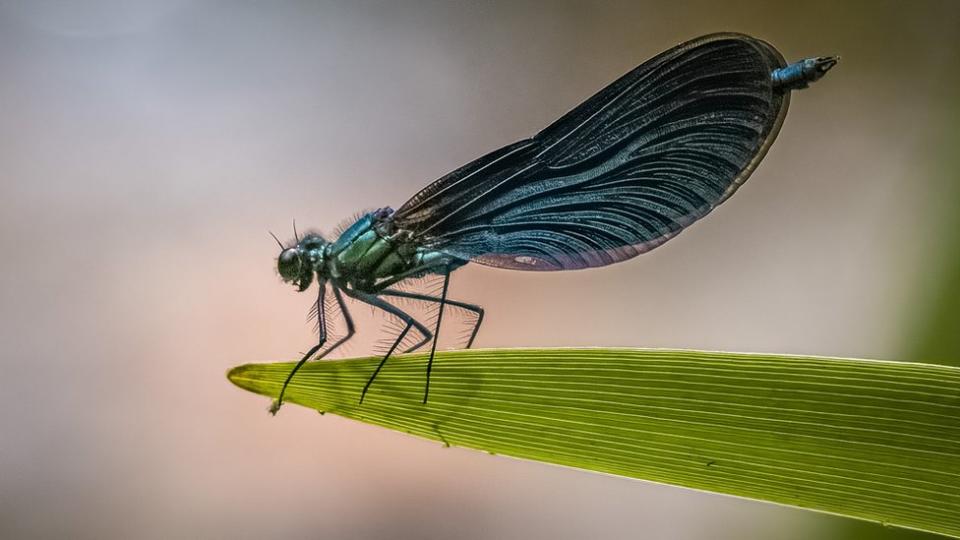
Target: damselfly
(617, 176)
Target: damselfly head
(298, 264)
(289, 264)
(294, 269)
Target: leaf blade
(868, 439)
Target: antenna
(295, 235)
(279, 243)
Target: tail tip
(823, 64)
(799, 75)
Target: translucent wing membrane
(619, 175)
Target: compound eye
(288, 264)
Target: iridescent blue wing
(619, 175)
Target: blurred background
(146, 147)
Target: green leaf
(861, 438)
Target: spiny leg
(322, 331)
(384, 360)
(376, 302)
(436, 333)
(426, 339)
(347, 319)
(418, 271)
(447, 267)
(427, 298)
(383, 305)
(351, 330)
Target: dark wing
(619, 175)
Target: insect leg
(322, 338)
(436, 333)
(434, 267)
(376, 302)
(384, 360)
(426, 339)
(427, 298)
(348, 320)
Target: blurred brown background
(147, 146)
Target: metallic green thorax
(368, 256)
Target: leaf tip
(236, 375)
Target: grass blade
(867, 439)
